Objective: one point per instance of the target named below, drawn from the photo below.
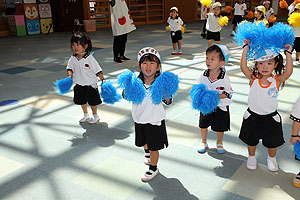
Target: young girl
(149, 118)
(85, 70)
(261, 120)
(216, 79)
(239, 12)
(269, 12)
(212, 25)
(175, 23)
(295, 116)
(259, 15)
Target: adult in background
(121, 24)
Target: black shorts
(237, 19)
(219, 120)
(176, 36)
(216, 36)
(86, 94)
(154, 136)
(296, 45)
(265, 127)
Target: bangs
(149, 57)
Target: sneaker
(272, 164)
(84, 119)
(149, 175)
(173, 53)
(296, 180)
(124, 58)
(94, 120)
(147, 159)
(251, 163)
(203, 147)
(118, 60)
(220, 148)
(179, 52)
(203, 35)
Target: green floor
(46, 154)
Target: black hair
(261, 17)
(82, 39)
(218, 50)
(279, 69)
(151, 58)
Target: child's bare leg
(234, 27)
(203, 144)
(217, 42)
(220, 148)
(154, 155)
(251, 150)
(84, 108)
(174, 46)
(209, 42)
(145, 146)
(272, 152)
(179, 45)
(147, 155)
(297, 55)
(94, 110)
(203, 132)
(220, 136)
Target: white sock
(86, 114)
(95, 115)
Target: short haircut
(218, 50)
(82, 39)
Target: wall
(187, 9)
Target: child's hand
(294, 140)
(288, 47)
(246, 43)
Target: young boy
(239, 12)
(216, 79)
(175, 23)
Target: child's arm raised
(205, 12)
(289, 64)
(243, 62)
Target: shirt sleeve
(70, 65)
(180, 21)
(95, 66)
(227, 87)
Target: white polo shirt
(269, 13)
(220, 85)
(175, 24)
(262, 99)
(147, 111)
(296, 111)
(212, 23)
(85, 70)
(297, 31)
(239, 9)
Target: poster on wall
(45, 11)
(31, 11)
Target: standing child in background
(85, 70)
(209, 10)
(269, 12)
(295, 116)
(175, 23)
(261, 120)
(213, 27)
(259, 15)
(294, 21)
(239, 12)
(149, 117)
(216, 79)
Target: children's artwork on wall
(33, 27)
(31, 11)
(45, 10)
(29, 1)
(45, 25)
(43, 1)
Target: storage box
(33, 27)
(45, 11)
(19, 9)
(89, 25)
(21, 30)
(12, 30)
(45, 25)
(16, 20)
(31, 11)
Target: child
(203, 33)
(296, 45)
(261, 120)
(149, 118)
(212, 25)
(216, 79)
(239, 12)
(295, 116)
(259, 15)
(269, 12)
(85, 69)
(175, 23)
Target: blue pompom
(109, 93)
(204, 100)
(134, 90)
(164, 86)
(63, 85)
(297, 149)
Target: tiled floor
(46, 154)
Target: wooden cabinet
(97, 10)
(138, 11)
(155, 11)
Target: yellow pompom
(182, 29)
(223, 21)
(167, 28)
(205, 3)
(294, 19)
